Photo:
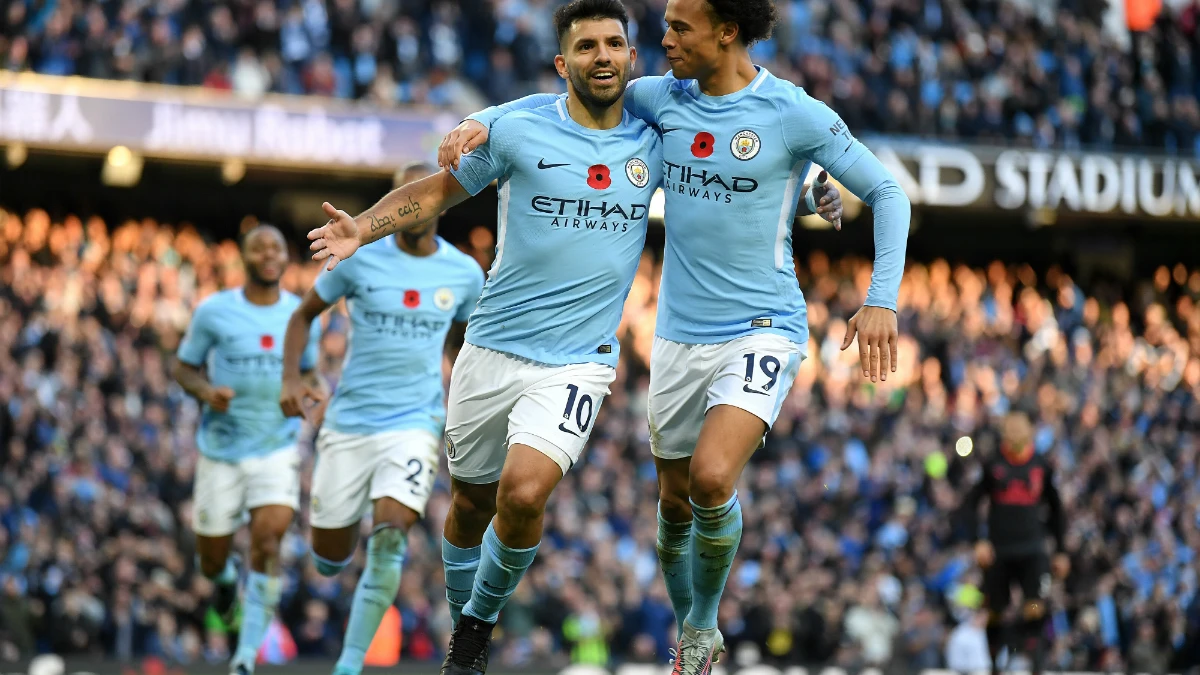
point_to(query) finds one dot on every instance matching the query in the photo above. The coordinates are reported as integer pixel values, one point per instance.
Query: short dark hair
(581, 10)
(245, 238)
(755, 18)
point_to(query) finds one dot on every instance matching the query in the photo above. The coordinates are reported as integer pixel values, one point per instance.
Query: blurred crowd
(851, 554)
(1041, 73)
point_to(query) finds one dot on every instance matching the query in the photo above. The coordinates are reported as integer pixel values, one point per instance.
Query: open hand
(461, 141)
(878, 338)
(337, 239)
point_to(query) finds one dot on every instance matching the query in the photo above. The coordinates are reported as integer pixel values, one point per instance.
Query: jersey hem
(798, 337)
(237, 460)
(543, 359)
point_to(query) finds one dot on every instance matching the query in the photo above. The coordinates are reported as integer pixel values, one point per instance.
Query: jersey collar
(757, 82)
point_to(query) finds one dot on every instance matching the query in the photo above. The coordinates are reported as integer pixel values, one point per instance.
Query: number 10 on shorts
(576, 406)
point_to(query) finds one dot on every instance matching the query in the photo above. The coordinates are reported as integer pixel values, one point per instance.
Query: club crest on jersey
(637, 172)
(443, 299)
(450, 449)
(745, 145)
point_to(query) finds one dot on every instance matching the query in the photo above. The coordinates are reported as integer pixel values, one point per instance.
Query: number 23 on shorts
(579, 411)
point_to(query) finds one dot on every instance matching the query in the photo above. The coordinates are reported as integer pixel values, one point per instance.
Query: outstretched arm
(643, 97)
(404, 208)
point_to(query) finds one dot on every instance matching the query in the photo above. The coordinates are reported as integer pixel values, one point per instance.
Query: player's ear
(632, 57)
(560, 64)
(728, 34)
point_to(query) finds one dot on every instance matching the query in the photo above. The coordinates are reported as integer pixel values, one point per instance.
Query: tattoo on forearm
(412, 208)
(382, 222)
(391, 224)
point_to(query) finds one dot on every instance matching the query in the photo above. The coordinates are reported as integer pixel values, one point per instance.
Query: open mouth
(604, 76)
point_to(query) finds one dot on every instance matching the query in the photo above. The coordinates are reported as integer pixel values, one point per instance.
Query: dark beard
(583, 88)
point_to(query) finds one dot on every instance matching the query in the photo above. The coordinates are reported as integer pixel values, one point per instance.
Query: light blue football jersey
(240, 345)
(401, 307)
(572, 221)
(733, 169)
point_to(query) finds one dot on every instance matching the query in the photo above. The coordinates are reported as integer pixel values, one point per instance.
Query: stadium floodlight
(122, 168)
(15, 155)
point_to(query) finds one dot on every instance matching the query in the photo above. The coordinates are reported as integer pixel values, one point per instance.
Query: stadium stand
(849, 557)
(1050, 73)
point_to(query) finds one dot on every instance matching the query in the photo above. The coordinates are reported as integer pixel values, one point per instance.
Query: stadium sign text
(74, 114)
(94, 115)
(966, 177)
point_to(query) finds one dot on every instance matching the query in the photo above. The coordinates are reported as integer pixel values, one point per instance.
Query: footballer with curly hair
(732, 324)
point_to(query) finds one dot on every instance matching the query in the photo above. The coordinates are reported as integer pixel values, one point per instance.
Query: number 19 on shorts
(768, 365)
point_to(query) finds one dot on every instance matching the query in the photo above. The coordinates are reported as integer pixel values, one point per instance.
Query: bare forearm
(192, 380)
(295, 342)
(408, 207)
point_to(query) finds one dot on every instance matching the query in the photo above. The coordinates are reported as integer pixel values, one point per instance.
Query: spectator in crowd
(967, 647)
(848, 557)
(1045, 73)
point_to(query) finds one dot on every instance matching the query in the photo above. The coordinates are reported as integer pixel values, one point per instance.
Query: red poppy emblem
(703, 145)
(412, 299)
(598, 177)
(267, 341)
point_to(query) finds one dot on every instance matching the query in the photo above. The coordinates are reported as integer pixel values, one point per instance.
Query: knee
(674, 506)
(521, 503)
(473, 509)
(711, 485)
(264, 544)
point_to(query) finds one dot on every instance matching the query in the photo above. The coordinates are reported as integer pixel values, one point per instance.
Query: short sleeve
(308, 360)
(644, 97)
(200, 337)
(335, 284)
(471, 299)
(814, 132)
(491, 160)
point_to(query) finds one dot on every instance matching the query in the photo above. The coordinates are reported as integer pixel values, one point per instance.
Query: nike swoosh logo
(543, 165)
(746, 388)
(667, 130)
(373, 289)
(563, 428)
(369, 587)
(713, 557)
